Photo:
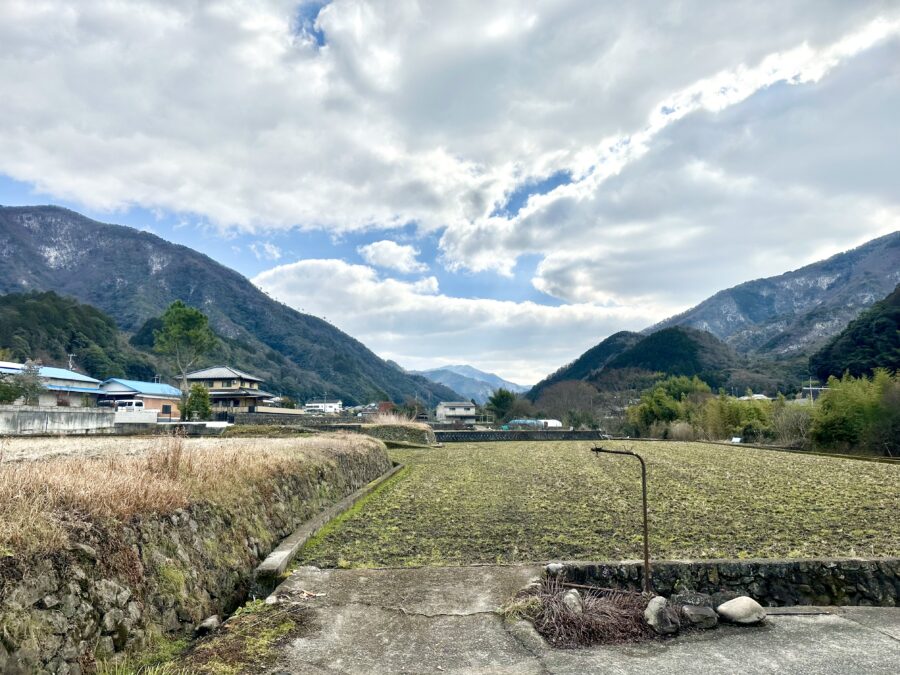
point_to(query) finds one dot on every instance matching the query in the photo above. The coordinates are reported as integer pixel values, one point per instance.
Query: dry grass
(608, 617)
(41, 500)
(396, 419)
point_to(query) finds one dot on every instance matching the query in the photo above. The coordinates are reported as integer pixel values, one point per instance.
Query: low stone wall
(132, 587)
(498, 436)
(384, 432)
(774, 583)
(400, 433)
(20, 420)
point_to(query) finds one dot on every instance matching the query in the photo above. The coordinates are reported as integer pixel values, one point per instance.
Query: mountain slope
(870, 341)
(470, 382)
(133, 276)
(593, 360)
(795, 312)
(48, 327)
(681, 351)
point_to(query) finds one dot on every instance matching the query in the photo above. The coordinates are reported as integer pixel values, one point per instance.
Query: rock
(208, 625)
(723, 596)
(89, 551)
(661, 617)
(692, 598)
(112, 620)
(553, 569)
(572, 600)
(49, 602)
(699, 616)
(742, 610)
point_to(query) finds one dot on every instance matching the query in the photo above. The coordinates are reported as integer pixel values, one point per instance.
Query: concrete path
(442, 620)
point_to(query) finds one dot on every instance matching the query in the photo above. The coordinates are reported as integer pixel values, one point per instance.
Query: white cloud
(415, 325)
(265, 250)
(391, 255)
(708, 143)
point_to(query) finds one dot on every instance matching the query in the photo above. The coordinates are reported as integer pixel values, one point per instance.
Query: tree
(29, 382)
(185, 337)
(9, 390)
(571, 401)
(500, 403)
(198, 405)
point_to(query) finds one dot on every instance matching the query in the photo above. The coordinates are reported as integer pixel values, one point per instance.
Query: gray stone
(110, 592)
(691, 598)
(49, 601)
(742, 610)
(89, 551)
(572, 600)
(553, 569)
(661, 617)
(112, 620)
(208, 625)
(699, 616)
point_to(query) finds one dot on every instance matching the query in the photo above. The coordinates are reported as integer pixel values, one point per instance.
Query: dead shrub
(609, 617)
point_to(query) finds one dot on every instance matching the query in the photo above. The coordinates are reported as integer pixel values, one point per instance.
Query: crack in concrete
(859, 623)
(426, 615)
(536, 655)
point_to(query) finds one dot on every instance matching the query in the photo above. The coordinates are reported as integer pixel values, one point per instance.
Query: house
(163, 398)
(61, 387)
(456, 412)
(324, 406)
(230, 389)
(754, 397)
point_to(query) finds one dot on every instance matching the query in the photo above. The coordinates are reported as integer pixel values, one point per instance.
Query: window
(166, 409)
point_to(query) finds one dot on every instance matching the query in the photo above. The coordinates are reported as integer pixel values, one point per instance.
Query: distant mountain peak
(471, 382)
(794, 312)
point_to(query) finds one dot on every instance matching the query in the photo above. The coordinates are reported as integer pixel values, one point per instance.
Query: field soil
(519, 502)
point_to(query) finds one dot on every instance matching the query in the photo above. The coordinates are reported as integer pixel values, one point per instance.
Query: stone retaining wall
(774, 583)
(132, 587)
(498, 436)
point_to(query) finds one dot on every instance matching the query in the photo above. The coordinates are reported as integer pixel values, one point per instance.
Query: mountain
(472, 383)
(681, 351)
(592, 361)
(870, 341)
(133, 276)
(796, 312)
(51, 328)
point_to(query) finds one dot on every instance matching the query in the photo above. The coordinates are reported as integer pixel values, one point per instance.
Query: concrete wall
(774, 583)
(23, 420)
(496, 436)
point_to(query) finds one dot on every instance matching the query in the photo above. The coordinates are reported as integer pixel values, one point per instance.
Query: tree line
(853, 414)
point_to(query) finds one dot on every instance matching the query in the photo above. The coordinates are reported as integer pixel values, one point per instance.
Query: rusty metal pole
(648, 585)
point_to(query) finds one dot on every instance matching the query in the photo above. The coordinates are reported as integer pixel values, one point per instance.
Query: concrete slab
(442, 620)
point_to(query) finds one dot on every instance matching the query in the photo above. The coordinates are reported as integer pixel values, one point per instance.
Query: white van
(129, 405)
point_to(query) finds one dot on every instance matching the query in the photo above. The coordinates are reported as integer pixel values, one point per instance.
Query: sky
(502, 184)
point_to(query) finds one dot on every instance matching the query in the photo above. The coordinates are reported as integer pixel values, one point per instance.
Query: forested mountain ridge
(49, 327)
(795, 312)
(870, 341)
(133, 276)
(592, 361)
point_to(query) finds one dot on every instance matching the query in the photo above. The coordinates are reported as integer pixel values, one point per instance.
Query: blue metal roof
(63, 374)
(148, 388)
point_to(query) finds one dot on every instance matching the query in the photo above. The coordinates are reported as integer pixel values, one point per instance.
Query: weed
(519, 502)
